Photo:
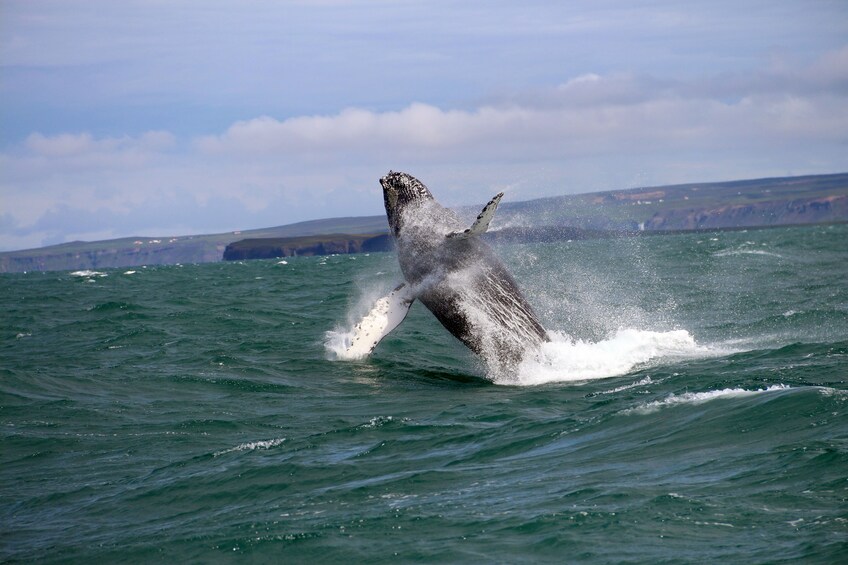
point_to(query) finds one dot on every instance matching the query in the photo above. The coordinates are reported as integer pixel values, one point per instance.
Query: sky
(169, 117)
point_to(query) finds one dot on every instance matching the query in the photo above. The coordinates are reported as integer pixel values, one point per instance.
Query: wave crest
(699, 398)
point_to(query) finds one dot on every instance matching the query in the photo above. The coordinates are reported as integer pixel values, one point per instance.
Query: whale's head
(400, 191)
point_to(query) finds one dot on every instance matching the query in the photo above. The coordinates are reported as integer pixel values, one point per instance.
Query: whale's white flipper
(385, 315)
(481, 224)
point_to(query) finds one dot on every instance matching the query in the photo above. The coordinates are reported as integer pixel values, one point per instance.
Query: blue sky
(154, 118)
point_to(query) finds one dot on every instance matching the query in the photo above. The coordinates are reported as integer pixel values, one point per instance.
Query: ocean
(692, 407)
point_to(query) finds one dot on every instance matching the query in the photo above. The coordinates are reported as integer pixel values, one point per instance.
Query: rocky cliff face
(268, 248)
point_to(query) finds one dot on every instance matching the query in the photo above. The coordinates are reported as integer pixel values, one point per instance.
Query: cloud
(43, 160)
(416, 127)
(593, 131)
(590, 114)
(70, 145)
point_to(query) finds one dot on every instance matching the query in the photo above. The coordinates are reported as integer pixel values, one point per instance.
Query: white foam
(642, 382)
(88, 273)
(266, 444)
(337, 344)
(745, 251)
(699, 398)
(567, 360)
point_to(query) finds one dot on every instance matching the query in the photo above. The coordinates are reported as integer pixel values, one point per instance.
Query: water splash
(567, 360)
(338, 341)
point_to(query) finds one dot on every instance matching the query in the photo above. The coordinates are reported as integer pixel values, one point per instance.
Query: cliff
(268, 248)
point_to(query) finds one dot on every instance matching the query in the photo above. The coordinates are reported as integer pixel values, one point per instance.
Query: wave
(567, 360)
(250, 446)
(88, 273)
(699, 398)
(745, 251)
(642, 382)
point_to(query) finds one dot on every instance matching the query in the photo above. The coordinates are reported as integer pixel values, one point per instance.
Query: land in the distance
(697, 206)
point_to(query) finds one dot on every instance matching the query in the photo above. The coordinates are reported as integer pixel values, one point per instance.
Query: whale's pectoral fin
(385, 315)
(481, 224)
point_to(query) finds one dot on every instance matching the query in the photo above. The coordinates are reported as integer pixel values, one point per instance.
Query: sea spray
(566, 360)
(570, 286)
(369, 287)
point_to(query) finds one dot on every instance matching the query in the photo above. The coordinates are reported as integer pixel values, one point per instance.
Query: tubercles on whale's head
(401, 190)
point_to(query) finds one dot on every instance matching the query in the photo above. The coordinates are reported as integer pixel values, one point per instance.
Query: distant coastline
(269, 248)
(743, 204)
(340, 244)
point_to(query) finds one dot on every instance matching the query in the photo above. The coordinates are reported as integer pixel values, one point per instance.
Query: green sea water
(692, 408)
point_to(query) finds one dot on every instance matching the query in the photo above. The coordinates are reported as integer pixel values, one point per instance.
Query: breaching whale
(455, 274)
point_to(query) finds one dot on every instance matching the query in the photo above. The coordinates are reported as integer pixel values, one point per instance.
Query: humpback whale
(455, 274)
